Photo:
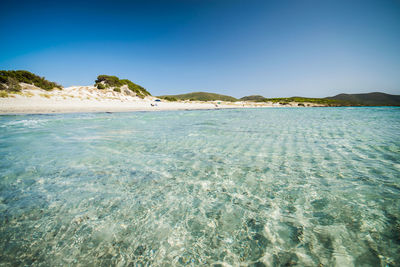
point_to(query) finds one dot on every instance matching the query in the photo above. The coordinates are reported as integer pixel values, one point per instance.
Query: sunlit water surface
(274, 187)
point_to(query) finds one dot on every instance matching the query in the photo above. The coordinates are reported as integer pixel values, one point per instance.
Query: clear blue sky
(273, 48)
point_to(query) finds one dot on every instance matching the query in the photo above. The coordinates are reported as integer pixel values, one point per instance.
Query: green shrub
(169, 98)
(139, 90)
(101, 86)
(117, 89)
(114, 81)
(110, 81)
(23, 76)
(13, 85)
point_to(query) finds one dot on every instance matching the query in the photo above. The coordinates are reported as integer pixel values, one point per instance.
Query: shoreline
(97, 111)
(106, 109)
(67, 111)
(87, 99)
(14, 106)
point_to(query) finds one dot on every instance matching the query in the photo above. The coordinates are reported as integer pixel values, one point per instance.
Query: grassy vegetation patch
(322, 101)
(12, 78)
(169, 98)
(107, 81)
(45, 95)
(3, 94)
(28, 94)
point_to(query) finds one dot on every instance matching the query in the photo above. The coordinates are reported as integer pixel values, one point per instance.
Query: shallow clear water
(276, 186)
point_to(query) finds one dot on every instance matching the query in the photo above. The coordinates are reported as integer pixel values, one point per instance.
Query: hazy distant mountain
(369, 99)
(202, 96)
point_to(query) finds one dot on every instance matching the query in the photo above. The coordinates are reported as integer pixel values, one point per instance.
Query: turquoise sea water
(273, 187)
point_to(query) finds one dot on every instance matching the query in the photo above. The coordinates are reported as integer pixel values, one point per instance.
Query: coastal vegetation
(3, 93)
(370, 99)
(107, 81)
(169, 98)
(12, 85)
(256, 98)
(300, 100)
(10, 80)
(201, 96)
(45, 95)
(100, 86)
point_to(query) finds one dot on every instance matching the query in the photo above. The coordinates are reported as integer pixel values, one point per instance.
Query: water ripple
(257, 187)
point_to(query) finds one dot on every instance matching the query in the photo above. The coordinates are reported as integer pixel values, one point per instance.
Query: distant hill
(369, 99)
(298, 99)
(201, 96)
(257, 98)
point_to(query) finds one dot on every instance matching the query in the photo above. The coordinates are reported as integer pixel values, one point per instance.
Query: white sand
(90, 99)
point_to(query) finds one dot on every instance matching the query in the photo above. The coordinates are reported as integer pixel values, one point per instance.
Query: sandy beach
(90, 99)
